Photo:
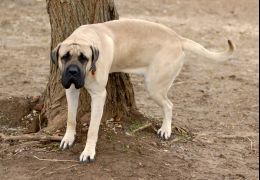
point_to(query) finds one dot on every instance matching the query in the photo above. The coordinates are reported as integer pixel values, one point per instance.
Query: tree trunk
(65, 16)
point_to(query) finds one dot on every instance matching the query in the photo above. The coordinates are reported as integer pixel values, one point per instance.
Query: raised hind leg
(162, 100)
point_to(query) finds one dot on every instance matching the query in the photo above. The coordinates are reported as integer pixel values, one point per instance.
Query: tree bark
(65, 16)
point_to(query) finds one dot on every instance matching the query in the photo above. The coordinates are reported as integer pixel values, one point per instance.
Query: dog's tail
(200, 50)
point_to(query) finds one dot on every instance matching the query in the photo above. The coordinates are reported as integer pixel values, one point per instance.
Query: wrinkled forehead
(74, 49)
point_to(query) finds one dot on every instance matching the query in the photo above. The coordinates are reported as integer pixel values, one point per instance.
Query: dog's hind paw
(164, 133)
(67, 141)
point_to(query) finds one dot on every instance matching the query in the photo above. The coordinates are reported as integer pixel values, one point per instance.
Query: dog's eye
(82, 58)
(66, 57)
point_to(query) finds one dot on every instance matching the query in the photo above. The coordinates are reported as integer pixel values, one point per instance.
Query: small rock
(85, 129)
(154, 143)
(39, 107)
(232, 76)
(222, 156)
(140, 164)
(167, 164)
(128, 134)
(58, 131)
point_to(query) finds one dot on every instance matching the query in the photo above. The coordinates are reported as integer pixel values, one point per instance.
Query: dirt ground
(216, 102)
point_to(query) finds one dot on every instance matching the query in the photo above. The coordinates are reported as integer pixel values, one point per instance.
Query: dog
(92, 52)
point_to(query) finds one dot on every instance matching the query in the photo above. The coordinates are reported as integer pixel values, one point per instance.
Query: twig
(178, 83)
(46, 151)
(179, 139)
(251, 147)
(50, 173)
(40, 122)
(54, 160)
(142, 128)
(181, 130)
(40, 170)
(31, 137)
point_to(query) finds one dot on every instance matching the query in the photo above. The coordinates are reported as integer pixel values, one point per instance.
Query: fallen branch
(142, 128)
(55, 160)
(30, 137)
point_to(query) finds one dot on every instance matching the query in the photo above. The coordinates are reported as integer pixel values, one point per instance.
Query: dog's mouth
(67, 80)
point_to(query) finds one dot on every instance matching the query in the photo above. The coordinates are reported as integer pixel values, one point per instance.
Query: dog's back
(146, 38)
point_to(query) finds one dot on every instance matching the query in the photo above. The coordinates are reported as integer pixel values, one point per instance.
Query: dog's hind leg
(162, 100)
(158, 81)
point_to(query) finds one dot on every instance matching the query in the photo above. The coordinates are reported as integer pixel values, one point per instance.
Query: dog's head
(74, 61)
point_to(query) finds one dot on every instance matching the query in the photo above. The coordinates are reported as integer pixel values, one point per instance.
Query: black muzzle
(73, 75)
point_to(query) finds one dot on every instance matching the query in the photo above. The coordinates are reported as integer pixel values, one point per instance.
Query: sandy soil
(218, 103)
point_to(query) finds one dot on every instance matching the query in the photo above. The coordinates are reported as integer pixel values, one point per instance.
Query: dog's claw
(67, 141)
(61, 144)
(164, 133)
(65, 145)
(86, 159)
(87, 156)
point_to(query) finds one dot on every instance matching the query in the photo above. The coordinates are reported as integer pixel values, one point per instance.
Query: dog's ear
(95, 56)
(55, 55)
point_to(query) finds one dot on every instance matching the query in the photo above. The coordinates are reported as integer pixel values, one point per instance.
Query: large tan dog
(132, 46)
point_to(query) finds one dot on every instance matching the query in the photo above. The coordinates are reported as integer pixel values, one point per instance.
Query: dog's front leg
(97, 106)
(72, 95)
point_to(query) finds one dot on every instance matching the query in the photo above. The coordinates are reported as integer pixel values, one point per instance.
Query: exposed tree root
(30, 137)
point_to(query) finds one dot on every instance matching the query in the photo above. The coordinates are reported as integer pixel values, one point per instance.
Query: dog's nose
(73, 70)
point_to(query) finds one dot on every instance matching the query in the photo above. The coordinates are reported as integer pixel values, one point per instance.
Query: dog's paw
(88, 155)
(165, 132)
(67, 141)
